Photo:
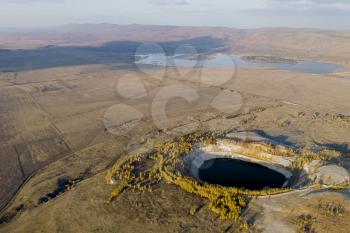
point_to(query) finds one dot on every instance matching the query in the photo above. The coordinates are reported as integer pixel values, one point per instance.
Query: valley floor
(53, 129)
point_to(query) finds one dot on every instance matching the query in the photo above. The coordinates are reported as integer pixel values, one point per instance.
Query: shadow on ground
(116, 52)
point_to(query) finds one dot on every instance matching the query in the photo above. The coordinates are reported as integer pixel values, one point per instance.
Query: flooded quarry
(241, 174)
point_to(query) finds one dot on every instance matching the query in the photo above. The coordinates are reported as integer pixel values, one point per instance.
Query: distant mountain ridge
(325, 45)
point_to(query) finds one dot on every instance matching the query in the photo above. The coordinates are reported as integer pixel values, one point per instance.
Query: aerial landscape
(175, 116)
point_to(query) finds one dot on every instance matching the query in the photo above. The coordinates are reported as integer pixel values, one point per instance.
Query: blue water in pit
(241, 174)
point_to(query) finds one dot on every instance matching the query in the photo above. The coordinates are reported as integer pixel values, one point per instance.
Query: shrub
(304, 222)
(193, 210)
(331, 208)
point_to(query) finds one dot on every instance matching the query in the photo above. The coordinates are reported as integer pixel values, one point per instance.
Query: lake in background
(225, 61)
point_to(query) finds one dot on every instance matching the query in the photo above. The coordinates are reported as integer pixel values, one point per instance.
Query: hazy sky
(333, 14)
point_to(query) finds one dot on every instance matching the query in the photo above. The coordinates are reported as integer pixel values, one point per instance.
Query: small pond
(237, 173)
